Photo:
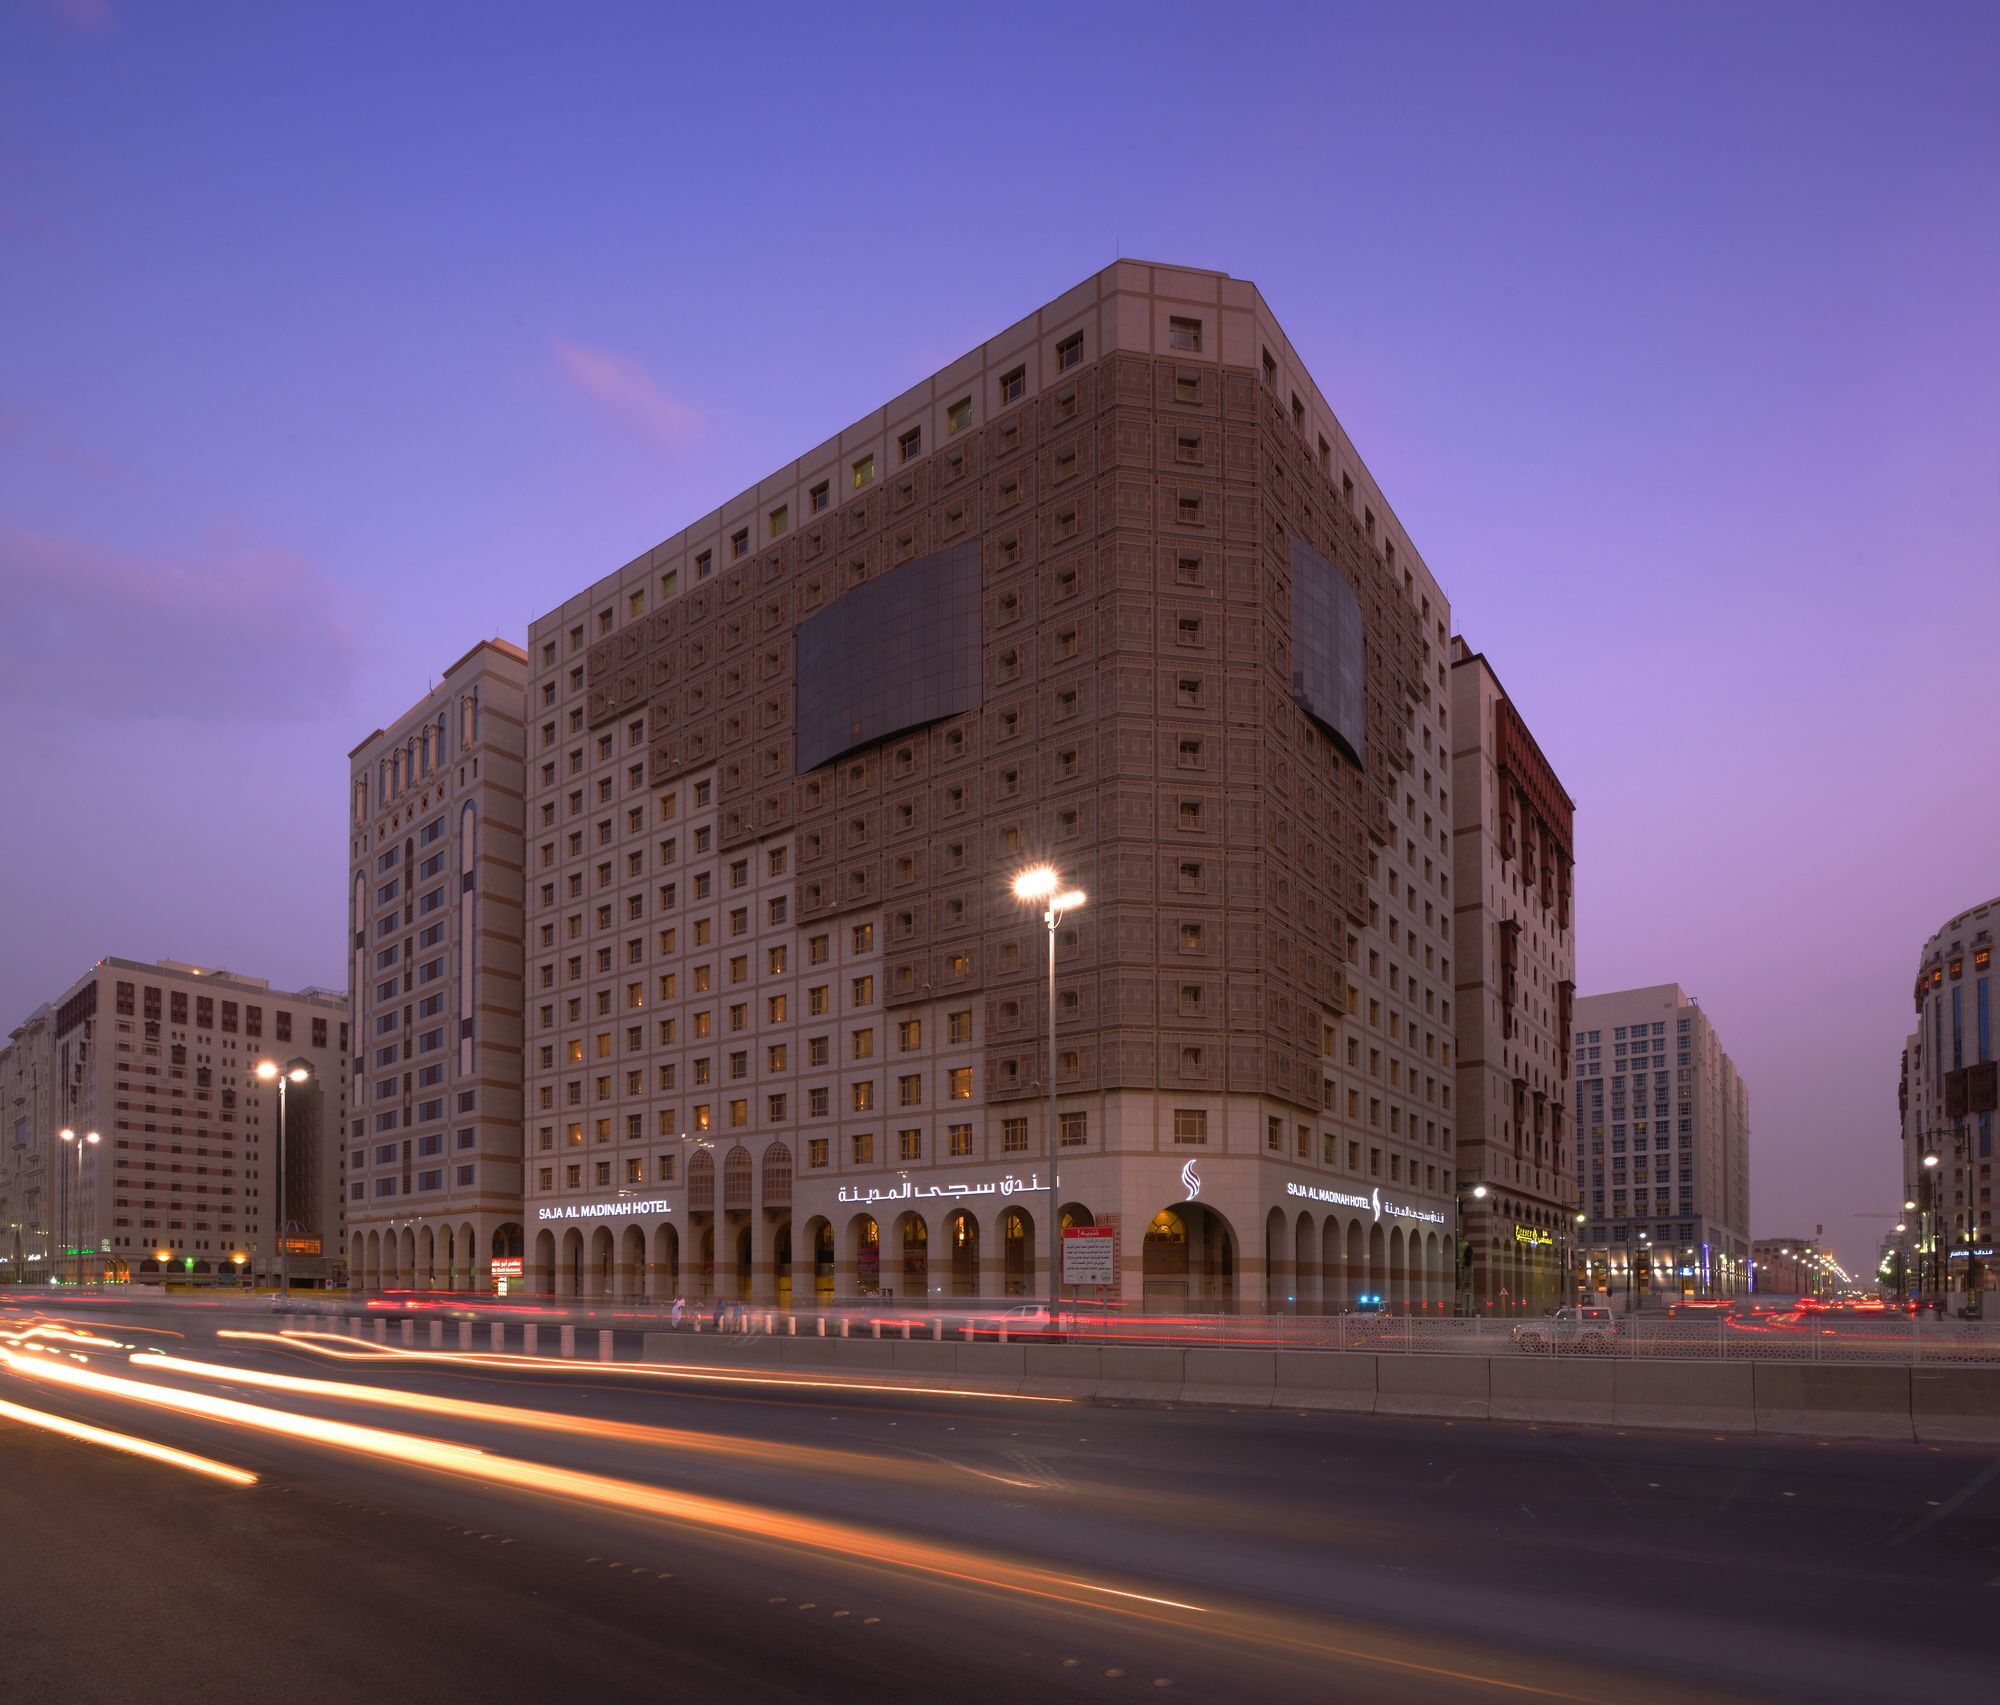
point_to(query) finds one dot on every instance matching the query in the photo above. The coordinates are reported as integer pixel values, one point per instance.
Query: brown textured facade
(1514, 845)
(1266, 948)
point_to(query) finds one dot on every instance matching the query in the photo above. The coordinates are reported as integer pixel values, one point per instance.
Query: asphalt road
(625, 1538)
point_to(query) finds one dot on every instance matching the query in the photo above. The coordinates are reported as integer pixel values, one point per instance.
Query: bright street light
(297, 1071)
(1042, 884)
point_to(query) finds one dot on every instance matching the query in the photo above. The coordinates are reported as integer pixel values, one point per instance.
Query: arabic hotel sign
(599, 1210)
(1374, 1203)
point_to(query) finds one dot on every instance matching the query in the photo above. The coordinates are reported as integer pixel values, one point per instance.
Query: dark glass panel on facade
(895, 652)
(1327, 637)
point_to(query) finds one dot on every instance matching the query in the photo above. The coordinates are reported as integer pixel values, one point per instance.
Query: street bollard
(465, 1334)
(531, 1338)
(568, 1340)
(409, 1330)
(499, 1335)
(606, 1352)
(381, 1330)
(437, 1334)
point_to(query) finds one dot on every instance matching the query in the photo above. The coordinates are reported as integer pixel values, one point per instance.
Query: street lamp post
(1044, 885)
(269, 1071)
(81, 1141)
(1479, 1193)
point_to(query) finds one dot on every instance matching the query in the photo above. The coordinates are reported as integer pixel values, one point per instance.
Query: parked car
(1590, 1330)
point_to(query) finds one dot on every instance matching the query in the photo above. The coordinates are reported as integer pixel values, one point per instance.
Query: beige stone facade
(29, 1220)
(1663, 1148)
(1513, 862)
(1950, 1090)
(786, 1024)
(434, 901)
(160, 1060)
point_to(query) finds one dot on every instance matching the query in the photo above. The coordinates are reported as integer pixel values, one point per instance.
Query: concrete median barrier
(1711, 1396)
(998, 1368)
(1571, 1390)
(1455, 1386)
(1336, 1381)
(1141, 1373)
(1833, 1400)
(1955, 1405)
(1061, 1370)
(1241, 1379)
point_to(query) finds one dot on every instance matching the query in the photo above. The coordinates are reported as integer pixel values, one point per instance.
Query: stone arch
(774, 1168)
(860, 1272)
(631, 1270)
(1306, 1265)
(357, 1272)
(541, 1277)
(961, 1241)
(371, 1263)
(406, 1264)
(1017, 1253)
(742, 1251)
(600, 1275)
(1189, 1261)
(665, 1280)
(426, 1273)
(910, 1249)
(1378, 1264)
(701, 1181)
(569, 1265)
(819, 1289)
(737, 1181)
(1280, 1295)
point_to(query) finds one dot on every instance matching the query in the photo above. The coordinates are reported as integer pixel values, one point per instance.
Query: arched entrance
(1279, 1294)
(542, 1278)
(632, 1263)
(861, 1270)
(745, 1258)
(781, 1264)
(1017, 1252)
(569, 1270)
(1189, 1264)
(665, 1282)
(1307, 1270)
(819, 1241)
(961, 1237)
(913, 1272)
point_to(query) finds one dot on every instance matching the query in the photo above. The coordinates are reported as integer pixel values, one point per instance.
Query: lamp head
(1930, 1160)
(92, 1137)
(1479, 1192)
(1040, 883)
(67, 1134)
(1068, 902)
(267, 1069)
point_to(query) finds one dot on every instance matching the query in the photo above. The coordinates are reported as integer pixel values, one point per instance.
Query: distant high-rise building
(1113, 593)
(434, 903)
(160, 1061)
(1514, 958)
(1949, 1096)
(1663, 1148)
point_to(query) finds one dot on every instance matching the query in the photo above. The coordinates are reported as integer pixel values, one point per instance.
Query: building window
(959, 416)
(1014, 1136)
(864, 472)
(910, 445)
(1183, 333)
(1190, 1125)
(1069, 352)
(1013, 385)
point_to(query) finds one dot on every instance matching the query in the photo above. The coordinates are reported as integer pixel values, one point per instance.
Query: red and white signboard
(1090, 1255)
(506, 1266)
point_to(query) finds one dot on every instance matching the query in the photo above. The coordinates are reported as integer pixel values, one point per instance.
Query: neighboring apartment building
(434, 915)
(1113, 592)
(1513, 864)
(1950, 1095)
(1663, 1148)
(1792, 1266)
(28, 1207)
(160, 1060)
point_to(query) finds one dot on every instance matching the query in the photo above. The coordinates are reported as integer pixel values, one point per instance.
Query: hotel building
(434, 920)
(1950, 1094)
(1513, 862)
(1663, 1159)
(160, 1060)
(1115, 593)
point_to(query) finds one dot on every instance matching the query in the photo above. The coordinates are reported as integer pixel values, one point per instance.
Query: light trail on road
(130, 1443)
(850, 1544)
(337, 1348)
(786, 1456)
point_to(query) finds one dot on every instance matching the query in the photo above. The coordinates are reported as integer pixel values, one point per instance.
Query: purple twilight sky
(338, 336)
